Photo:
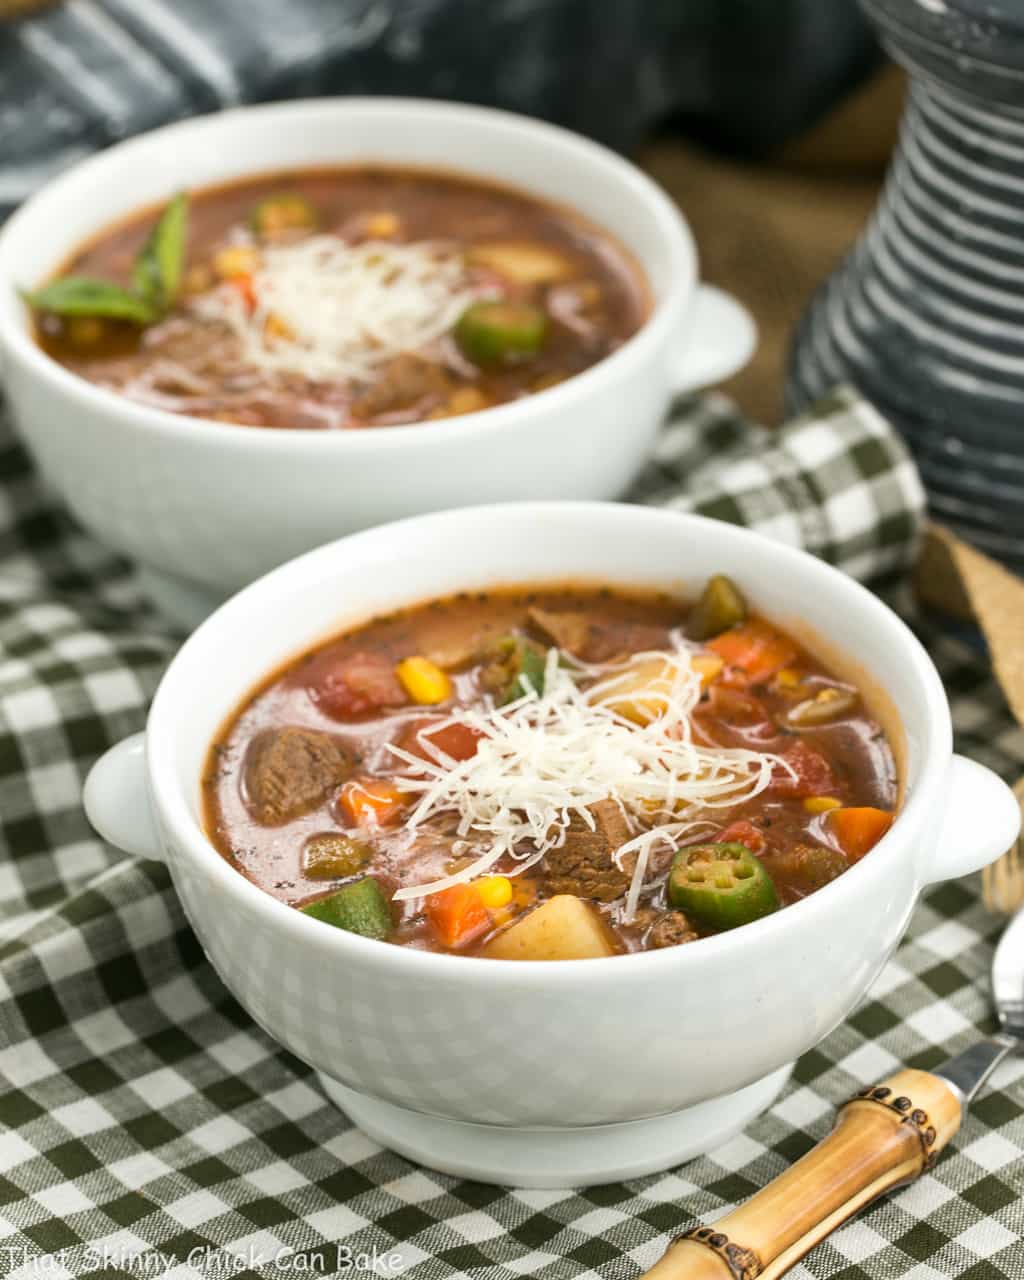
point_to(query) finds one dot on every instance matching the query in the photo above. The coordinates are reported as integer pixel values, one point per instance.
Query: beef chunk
(407, 382)
(583, 864)
(566, 630)
(455, 652)
(289, 771)
(807, 866)
(671, 929)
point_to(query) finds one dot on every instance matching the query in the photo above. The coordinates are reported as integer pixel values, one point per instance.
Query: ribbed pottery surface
(926, 315)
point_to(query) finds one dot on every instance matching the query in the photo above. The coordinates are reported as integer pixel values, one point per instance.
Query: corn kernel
(708, 666)
(380, 226)
(495, 892)
(275, 327)
(423, 680)
(821, 804)
(788, 678)
(236, 260)
(283, 213)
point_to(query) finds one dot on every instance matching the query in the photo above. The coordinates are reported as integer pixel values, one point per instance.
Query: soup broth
(551, 774)
(342, 298)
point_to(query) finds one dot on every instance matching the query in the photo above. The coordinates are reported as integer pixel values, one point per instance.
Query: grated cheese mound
(338, 311)
(544, 759)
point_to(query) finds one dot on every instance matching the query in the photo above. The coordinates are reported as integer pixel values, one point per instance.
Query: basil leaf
(82, 296)
(158, 268)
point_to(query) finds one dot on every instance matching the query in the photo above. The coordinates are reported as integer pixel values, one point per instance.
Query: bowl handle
(982, 821)
(720, 338)
(116, 799)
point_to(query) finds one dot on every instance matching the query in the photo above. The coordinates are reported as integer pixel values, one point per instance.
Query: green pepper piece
(490, 332)
(513, 667)
(520, 670)
(358, 908)
(721, 885)
(83, 296)
(161, 260)
(287, 211)
(333, 854)
(531, 672)
(720, 607)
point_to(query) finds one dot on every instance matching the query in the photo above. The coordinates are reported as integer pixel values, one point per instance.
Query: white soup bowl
(550, 1073)
(205, 507)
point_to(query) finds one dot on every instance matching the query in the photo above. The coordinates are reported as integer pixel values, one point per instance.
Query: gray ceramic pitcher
(926, 315)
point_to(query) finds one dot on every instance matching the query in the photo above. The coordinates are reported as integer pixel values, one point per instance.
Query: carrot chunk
(858, 830)
(755, 648)
(457, 915)
(371, 802)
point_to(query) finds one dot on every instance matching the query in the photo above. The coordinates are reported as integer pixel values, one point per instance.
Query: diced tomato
(809, 773)
(243, 284)
(362, 684)
(754, 648)
(743, 832)
(858, 829)
(735, 718)
(459, 741)
(371, 802)
(457, 915)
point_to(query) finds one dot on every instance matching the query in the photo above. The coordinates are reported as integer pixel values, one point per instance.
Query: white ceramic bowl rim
(636, 185)
(188, 835)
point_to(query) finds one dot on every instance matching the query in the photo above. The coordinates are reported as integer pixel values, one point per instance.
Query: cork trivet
(953, 577)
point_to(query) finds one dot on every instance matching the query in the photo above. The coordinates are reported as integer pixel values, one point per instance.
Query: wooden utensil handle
(884, 1137)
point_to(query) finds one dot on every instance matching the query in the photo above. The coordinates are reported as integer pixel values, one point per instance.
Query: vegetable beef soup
(359, 297)
(551, 774)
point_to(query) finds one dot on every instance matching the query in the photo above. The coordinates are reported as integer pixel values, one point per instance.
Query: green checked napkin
(150, 1129)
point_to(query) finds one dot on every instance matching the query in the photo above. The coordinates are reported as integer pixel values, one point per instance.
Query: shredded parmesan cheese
(542, 760)
(329, 310)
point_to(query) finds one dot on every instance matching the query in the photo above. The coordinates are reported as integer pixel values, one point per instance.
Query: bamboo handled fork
(883, 1138)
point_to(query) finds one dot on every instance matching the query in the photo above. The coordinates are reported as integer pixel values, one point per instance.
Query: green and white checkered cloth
(150, 1129)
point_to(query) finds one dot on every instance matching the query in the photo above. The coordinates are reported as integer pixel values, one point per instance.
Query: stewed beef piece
(289, 771)
(583, 863)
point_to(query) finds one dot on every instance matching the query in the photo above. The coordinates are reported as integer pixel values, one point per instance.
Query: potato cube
(522, 262)
(640, 692)
(563, 928)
